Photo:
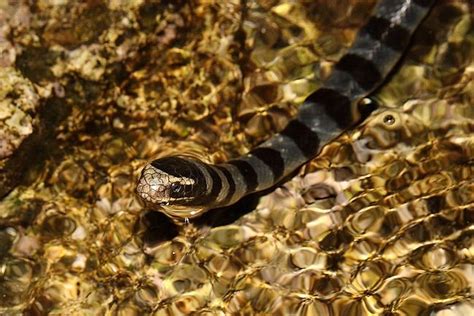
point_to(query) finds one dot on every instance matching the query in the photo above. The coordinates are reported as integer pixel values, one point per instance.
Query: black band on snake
(184, 187)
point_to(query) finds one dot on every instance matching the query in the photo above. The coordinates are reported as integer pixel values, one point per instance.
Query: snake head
(173, 185)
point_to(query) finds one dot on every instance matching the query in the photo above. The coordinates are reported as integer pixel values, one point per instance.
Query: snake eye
(366, 106)
(176, 188)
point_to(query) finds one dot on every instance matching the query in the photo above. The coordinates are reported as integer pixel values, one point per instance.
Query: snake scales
(184, 187)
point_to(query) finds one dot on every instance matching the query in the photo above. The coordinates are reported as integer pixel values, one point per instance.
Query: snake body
(184, 187)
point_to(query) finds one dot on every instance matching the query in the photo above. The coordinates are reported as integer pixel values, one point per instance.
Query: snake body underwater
(184, 187)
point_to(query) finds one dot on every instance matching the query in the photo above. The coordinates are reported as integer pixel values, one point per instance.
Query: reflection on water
(380, 222)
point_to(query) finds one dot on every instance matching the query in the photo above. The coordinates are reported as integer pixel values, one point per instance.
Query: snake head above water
(173, 185)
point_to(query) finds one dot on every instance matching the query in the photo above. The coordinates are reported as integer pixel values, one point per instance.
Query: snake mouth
(159, 201)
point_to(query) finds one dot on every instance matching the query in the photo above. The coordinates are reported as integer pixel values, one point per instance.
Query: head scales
(172, 185)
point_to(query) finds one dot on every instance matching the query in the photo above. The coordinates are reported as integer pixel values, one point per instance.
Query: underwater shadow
(229, 214)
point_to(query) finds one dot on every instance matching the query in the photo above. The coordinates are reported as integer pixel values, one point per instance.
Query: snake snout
(153, 186)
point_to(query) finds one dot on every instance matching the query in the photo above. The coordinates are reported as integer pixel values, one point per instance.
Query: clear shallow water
(379, 222)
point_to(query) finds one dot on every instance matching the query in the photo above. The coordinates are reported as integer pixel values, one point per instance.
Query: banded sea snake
(184, 187)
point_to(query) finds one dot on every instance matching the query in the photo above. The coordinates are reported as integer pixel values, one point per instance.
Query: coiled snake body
(184, 187)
